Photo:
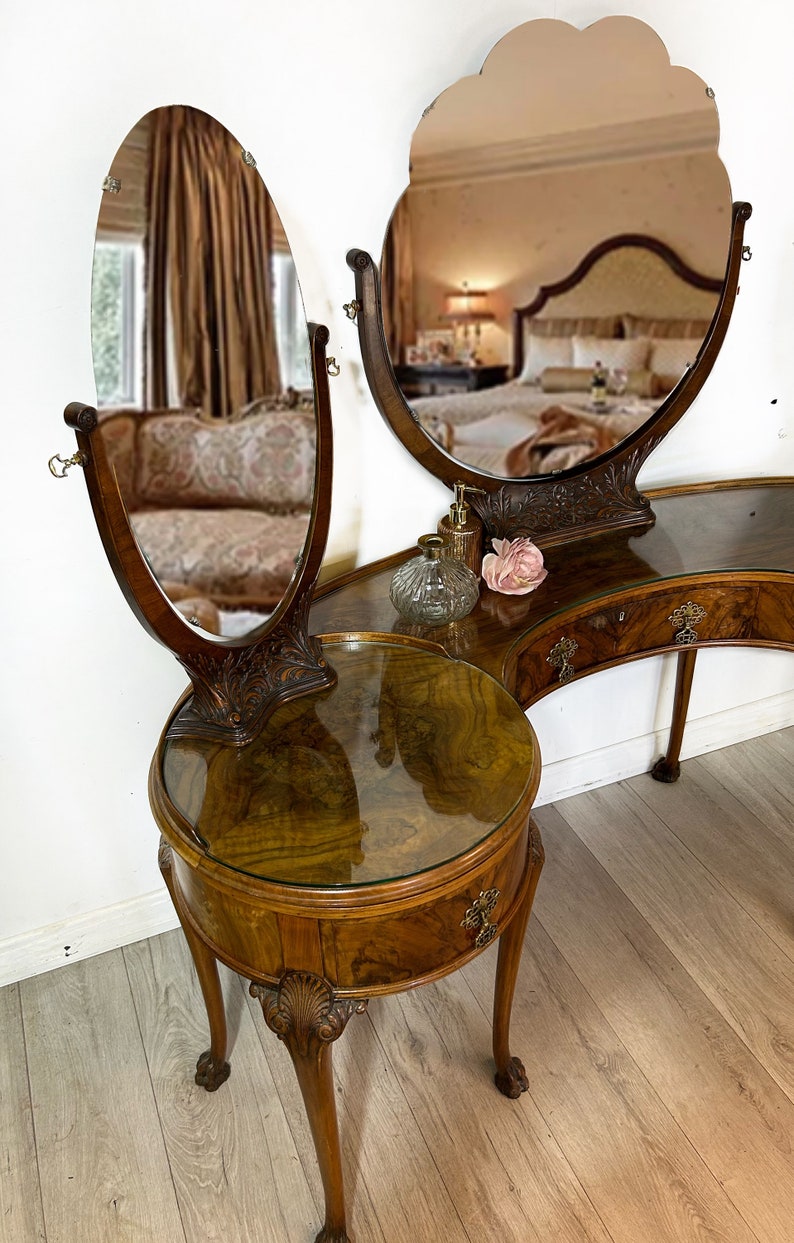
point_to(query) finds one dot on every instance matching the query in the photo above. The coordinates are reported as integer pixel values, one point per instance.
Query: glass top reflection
(410, 761)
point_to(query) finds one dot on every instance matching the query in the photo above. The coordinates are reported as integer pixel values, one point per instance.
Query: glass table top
(409, 761)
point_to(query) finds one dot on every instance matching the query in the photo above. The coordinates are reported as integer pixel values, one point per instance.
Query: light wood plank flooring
(655, 1014)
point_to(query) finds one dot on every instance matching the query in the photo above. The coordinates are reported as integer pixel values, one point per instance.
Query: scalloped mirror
(208, 459)
(567, 214)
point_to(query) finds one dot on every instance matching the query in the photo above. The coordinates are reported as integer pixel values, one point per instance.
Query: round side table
(374, 836)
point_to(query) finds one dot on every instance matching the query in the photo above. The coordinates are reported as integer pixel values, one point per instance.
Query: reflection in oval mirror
(541, 171)
(202, 368)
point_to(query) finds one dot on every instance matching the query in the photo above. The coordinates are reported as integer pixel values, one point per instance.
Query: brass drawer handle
(560, 658)
(478, 916)
(684, 619)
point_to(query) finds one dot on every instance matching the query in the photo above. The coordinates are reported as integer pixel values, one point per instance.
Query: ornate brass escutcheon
(684, 619)
(560, 657)
(478, 916)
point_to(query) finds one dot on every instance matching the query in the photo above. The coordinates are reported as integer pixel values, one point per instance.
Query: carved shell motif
(305, 1011)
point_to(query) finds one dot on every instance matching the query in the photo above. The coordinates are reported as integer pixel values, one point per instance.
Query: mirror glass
(565, 140)
(202, 368)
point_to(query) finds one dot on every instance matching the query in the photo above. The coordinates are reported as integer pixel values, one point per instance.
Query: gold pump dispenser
(463, 530)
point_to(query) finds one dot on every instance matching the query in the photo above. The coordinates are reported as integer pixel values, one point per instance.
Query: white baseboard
(564, 778)
(55, 945)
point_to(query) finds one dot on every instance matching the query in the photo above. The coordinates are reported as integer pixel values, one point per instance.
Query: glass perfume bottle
(433, 589)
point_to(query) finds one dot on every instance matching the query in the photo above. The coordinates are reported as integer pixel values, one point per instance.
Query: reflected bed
(633, 306)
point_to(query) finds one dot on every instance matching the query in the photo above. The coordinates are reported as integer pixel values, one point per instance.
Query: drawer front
(377, 954)
(775, 613)
(616, 630)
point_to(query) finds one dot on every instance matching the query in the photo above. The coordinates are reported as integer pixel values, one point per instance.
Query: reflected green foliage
(107, 324)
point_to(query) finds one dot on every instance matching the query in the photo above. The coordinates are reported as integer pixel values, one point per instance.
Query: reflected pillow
(669, 359)
(543, 352)
(610, 352)
(634, 326)
(567, 326)
(641, 383)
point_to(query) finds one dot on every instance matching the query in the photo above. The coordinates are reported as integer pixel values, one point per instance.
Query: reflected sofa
(220, 508)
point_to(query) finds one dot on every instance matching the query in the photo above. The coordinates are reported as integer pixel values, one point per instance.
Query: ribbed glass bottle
(432, 589)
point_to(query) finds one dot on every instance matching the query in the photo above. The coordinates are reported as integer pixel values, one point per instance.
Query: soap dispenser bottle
(463, 530)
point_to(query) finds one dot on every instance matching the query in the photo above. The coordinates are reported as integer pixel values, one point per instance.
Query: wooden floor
(655, 1014)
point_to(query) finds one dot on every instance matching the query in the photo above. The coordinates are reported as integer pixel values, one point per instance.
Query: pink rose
(515, 567)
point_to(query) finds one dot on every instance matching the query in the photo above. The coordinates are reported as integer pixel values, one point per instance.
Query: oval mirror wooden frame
(236, 682)
(591, 496)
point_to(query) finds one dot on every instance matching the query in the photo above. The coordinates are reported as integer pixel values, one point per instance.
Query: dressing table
(345, 799)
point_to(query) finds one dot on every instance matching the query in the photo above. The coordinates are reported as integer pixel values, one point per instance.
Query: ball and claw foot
(665, 771)
(211, 1074)
(330, 1234)
(512, 1081)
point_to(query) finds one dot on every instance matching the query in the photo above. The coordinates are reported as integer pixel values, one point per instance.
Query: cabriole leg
(511, 1078)
(668, 768)
(212, 1068)
(308, 1016)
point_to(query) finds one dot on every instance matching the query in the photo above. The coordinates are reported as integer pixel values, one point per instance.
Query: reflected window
(291, 338)
(117, 322)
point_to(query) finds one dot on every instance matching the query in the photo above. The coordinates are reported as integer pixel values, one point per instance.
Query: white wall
(326, 96)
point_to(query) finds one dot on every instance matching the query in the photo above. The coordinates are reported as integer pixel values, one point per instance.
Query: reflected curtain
(210, 331)
(397, 283)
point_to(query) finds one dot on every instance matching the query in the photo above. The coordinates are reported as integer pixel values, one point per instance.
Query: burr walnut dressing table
(345, 806)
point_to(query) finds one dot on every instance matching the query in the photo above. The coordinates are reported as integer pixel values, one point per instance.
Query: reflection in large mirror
(567, 220)
(202, 367)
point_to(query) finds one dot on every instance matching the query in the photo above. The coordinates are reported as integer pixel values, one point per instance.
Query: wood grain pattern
(233, 1160)
(394, 1188)
(514, 1181)
(21, 1216)
(731, 1111)
(632, 1160)
(747, 844)
(104, 1168)
(734, 961)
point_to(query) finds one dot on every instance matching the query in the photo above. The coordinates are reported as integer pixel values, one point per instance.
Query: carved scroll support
(308, 1016)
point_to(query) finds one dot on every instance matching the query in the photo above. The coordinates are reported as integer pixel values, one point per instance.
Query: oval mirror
(567, 217)
(203, 372)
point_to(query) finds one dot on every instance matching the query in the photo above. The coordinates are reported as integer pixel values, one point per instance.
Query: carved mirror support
(236, 682)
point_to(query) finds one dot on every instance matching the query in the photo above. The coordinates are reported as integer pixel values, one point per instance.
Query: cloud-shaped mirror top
(565, 141)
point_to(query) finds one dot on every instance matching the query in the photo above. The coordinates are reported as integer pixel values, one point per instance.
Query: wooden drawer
(775, 613)
(424, 940)
(613, 631)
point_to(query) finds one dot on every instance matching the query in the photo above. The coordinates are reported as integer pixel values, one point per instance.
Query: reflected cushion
(634, 326)
(228, 555)
(543, 352)
(669, 359)
(264, 461)
(641, 383)
(610, 352)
